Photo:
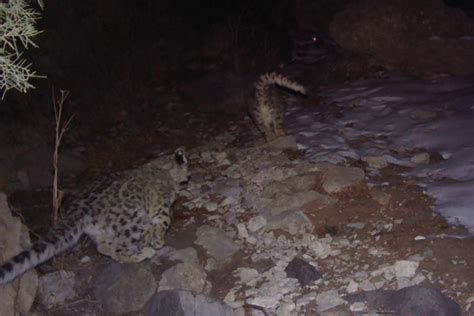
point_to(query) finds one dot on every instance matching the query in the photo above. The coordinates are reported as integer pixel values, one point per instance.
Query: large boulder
(422, 37)
(16, 297)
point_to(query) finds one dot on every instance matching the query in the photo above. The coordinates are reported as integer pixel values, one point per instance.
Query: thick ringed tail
(60, 238)
(268, 79)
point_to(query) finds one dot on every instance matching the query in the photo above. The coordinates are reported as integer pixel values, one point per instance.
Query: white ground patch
(401, 117)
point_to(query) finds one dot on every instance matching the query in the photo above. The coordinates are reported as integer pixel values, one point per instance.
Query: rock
(216, 242)
(414, 300)
(182, 303)
(423, 114)
(211, 206)
(228, 188)
(405, 268)
(56, 288)
(282, 143)
(286, 309)
(184, 255)
(124, 288)
(303, 271)
(358, 307)
(289, 202)
(352, 287)
(247, 275)
(18, 296)
(320, 248)
(377, 162)
(421, 158)
(185, 276)
(379, 29)
(298, 183)
(294, 222)
(256, 222)
(337, 178)
(356, 225)
(329, 299)
(380, 197)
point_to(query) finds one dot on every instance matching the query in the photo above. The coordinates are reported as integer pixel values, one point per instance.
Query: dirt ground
(450, 260)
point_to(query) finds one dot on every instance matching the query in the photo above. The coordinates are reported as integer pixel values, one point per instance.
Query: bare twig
(59, 133)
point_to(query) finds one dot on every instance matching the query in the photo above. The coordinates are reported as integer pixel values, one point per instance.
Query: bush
(17, 26)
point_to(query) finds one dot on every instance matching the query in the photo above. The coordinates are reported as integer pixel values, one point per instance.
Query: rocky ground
(261, 230)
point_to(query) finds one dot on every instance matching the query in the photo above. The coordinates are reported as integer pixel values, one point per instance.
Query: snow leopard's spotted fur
(126, 214)
(267, 108)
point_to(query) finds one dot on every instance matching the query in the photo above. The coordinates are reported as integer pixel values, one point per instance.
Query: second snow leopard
(267, 107)
(126, 214)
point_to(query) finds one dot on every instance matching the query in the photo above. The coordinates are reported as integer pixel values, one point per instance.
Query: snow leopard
(267, 106)
(126, 214)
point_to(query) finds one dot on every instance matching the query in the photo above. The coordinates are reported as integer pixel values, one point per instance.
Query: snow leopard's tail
(60, 238)
(267, 108)
(268, 79)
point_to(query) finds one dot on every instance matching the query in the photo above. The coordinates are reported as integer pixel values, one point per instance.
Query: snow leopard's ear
(180, 156)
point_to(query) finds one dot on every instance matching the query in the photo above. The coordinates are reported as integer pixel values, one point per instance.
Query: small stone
(217, 243)
(184, 255)
(320, 248)
(358, 307)
(303, 271)
(286, 309)
(124, 288)
(421, 158)
(352, 287)
(283, 143)
(356, 225)
(242, 231)
(377, 162)
(228, 201)
(206, 156)
(403, 282)
(220, 156)
(257, 222)
(420, 238)
(337, 178)
(380, 197)
(247, 275)
(329, 299)
(405, 268)
(185, 303)
(85, 259)
(56, 288)
(211, 206)
(184, 276)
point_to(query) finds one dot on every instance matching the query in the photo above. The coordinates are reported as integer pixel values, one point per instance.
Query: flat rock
(18, 296)
(282, 143)
(414, 300)
(294, 222)
(405, 268)
(380, 197)
(303, 271)
(288, 202)
(377, 162)
(124, 288)
(228, 188)
(56, 288)
(217, 243)
(329, 299)
(184, 255)
(337, 178)
(298, 183)
(181, 303)
(186, 276)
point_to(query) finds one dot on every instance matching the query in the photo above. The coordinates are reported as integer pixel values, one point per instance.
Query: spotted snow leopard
(267, 107)
(126, 214)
